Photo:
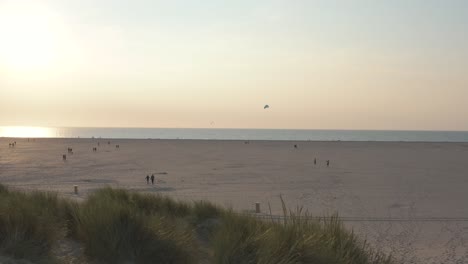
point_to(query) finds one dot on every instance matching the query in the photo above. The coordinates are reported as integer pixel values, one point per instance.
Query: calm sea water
(237, 134)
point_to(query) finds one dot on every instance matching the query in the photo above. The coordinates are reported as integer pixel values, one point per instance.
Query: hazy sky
(395, 64)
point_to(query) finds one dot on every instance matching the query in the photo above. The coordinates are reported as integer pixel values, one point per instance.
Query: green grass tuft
(203, 210)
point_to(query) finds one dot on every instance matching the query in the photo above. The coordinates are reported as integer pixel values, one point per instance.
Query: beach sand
(421, 187)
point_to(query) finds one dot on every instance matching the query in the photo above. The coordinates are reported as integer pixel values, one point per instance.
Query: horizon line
(240, 128)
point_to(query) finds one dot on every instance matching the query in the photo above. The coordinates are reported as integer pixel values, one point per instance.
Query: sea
(236, 134)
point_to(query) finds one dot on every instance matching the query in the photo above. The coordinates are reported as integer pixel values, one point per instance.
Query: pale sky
(395, 64)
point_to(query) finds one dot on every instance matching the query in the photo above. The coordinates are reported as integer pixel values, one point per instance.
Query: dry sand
(421, 187)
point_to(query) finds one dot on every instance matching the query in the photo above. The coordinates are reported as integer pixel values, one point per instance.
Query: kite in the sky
(266, 106)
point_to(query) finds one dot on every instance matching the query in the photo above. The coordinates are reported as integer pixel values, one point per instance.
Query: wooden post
(75, 187)
(257, 208)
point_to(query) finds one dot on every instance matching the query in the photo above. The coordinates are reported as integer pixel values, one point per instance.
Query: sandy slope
(422, 185)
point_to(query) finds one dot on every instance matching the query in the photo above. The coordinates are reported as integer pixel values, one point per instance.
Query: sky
(399, 65)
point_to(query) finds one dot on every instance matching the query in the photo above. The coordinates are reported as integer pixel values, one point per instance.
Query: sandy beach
(408, 199)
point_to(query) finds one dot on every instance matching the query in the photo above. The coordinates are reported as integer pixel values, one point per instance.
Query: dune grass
(29, 224)
(299, 238)
(119, 226)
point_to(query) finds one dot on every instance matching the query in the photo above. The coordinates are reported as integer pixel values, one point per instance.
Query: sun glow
(29, 36)
(25, 132)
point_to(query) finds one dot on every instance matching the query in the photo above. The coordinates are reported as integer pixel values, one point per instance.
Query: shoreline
(239, 140)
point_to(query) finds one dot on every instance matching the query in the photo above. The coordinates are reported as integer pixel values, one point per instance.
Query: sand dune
(406, 198)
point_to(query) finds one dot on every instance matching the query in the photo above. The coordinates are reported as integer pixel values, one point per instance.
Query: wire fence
(281, 218)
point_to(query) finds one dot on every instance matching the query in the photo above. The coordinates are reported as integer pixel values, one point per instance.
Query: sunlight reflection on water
(26, 132)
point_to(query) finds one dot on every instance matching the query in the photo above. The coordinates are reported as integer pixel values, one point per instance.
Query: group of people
(148, 179)
(12, 145)
(108, 142)
(315, 159)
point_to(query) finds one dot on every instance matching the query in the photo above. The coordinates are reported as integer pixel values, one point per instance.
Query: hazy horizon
(231, 128)
(365, 65)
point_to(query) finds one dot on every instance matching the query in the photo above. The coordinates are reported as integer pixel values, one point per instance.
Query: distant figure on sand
(64, 157)
(295, 146)
(147, 179)
(152, 179)
(328, 163)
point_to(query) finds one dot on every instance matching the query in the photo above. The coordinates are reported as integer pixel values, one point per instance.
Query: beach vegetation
(121, 226)
(30, 224)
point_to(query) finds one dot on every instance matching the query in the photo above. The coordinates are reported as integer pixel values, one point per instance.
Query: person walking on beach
(147, 179)
(328, 163)
(152, 179)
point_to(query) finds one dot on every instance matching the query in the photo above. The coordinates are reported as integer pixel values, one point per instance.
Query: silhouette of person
(147, 179)
(152, 179)
(328, 163)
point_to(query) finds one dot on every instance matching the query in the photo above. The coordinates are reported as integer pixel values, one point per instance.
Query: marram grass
(119, 226)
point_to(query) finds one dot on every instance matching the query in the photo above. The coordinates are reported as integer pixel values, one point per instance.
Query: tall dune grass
(30, 223)
(299, 238)
(118, 226)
